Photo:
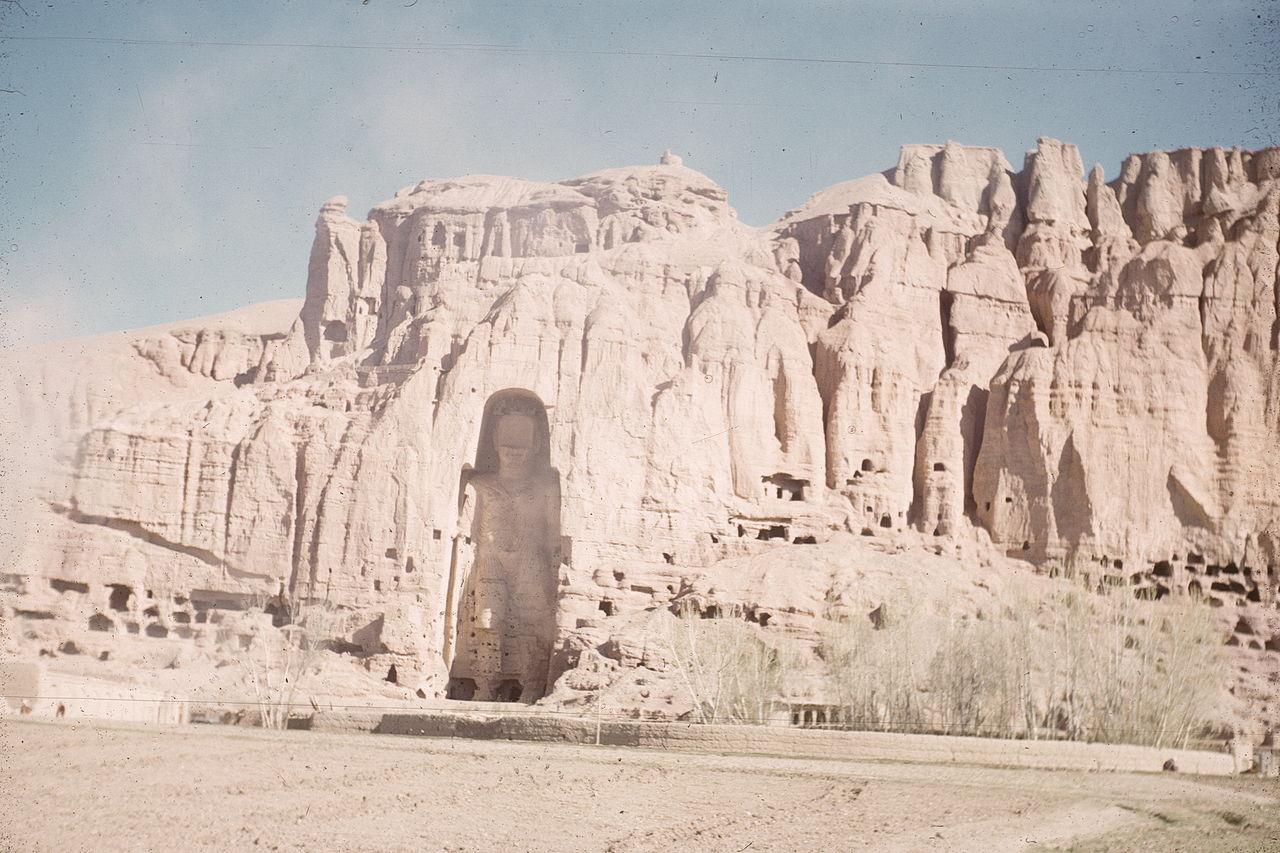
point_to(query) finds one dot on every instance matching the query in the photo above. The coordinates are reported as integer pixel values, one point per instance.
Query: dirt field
(74, 786)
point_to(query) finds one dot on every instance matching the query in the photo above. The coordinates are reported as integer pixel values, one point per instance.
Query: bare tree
(731, 674)
(876, 671)
(280, 659)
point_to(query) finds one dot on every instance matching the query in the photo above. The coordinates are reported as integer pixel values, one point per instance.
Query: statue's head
(513, 439)
(514, 435)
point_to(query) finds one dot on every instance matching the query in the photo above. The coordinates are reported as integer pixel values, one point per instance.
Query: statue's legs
(490, 622)
(531, 627)
(506, 640)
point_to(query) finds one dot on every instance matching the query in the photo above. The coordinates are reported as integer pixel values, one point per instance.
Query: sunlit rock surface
(1037, 364)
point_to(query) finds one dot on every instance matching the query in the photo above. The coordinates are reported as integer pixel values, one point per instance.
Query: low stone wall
(777, 740)
(29, 689)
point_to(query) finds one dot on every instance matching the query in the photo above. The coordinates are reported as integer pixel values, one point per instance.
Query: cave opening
(773, 531)
(508, 690)
(335, 332)
(461, 689)
(119, 598)
(784, 487)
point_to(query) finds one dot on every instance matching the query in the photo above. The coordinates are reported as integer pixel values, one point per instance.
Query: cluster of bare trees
(1070, 663)
(731, 673)
(279, 660)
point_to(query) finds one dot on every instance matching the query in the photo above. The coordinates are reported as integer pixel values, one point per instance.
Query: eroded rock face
(1140, 415)
(1083, 372)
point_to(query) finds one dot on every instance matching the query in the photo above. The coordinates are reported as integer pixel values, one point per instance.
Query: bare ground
(71, 786)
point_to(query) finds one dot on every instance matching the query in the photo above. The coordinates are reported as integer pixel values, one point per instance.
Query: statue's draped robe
(506, 622)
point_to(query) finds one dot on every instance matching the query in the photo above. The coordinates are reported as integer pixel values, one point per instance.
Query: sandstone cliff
(1078, 374)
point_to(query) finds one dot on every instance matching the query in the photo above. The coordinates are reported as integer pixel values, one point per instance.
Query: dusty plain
(73, 786)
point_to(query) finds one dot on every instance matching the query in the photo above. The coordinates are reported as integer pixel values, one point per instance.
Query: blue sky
(167, 160)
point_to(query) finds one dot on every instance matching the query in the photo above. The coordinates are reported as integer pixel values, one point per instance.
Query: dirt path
(74, 786)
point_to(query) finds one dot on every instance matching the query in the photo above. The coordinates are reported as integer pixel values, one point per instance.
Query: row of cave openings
(1225, 581)
(1214, 584)
(124, 609)
(453, 247)
(775, 487)
(785, 487)
(206, 607)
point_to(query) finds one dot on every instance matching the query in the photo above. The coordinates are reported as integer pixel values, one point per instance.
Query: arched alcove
(504, 568)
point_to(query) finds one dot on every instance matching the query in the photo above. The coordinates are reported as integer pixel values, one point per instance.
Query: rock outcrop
(1085, 374)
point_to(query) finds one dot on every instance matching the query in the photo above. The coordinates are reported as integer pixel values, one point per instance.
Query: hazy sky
(165, 160)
